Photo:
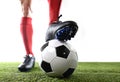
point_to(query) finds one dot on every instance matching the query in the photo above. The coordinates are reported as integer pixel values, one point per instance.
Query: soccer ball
(58, 59)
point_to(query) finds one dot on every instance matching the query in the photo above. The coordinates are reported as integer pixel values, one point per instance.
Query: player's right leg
(62, 31)
(27, 32)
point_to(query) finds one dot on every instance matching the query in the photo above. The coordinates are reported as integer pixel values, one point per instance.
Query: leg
(26, 26)
(59, 30)
(27, 32)
(26, 7)
(54, 9)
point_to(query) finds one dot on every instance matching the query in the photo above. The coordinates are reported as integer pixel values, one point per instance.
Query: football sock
(54, 8)
(27, 32)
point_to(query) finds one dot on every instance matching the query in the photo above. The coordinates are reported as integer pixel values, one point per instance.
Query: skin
(26, 7)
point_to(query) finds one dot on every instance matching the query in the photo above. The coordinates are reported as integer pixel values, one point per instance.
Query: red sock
(27, 31)
(54, 8)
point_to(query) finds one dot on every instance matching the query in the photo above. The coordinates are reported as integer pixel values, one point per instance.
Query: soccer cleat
(27, 64)
(62, 31)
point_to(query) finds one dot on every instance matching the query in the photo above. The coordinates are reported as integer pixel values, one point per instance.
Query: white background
(97, 40)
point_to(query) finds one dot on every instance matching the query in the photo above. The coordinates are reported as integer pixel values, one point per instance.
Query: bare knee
(25, 11)
(26, 7)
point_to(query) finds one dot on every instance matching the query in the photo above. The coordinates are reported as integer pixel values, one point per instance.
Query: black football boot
(62, 31)
(27, 64)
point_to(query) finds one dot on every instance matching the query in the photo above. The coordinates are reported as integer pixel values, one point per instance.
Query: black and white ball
(58, 59)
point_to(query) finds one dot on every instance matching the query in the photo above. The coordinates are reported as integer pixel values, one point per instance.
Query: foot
(27, 64)
(62, 31)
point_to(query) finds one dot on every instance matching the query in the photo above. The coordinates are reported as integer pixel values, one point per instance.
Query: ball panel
(48, 54)
(44, 46)
(46, 66)
(62, 51)
(68, 72)
(59, 65)
(55, 43)
(73, 59)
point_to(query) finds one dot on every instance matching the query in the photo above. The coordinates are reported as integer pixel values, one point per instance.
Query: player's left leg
(27, 32)
(60, 30)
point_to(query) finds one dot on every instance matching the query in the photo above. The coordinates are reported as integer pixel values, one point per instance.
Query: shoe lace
(27, 59)
(59, 17)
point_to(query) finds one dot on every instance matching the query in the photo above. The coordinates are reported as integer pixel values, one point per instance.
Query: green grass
(85, 72)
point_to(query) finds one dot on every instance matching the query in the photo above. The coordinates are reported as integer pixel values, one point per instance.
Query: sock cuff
(26, 20)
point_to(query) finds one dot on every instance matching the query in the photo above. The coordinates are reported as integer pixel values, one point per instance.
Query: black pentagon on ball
(44, 46)
(62, 51)
(46, 66)
(68, 72)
